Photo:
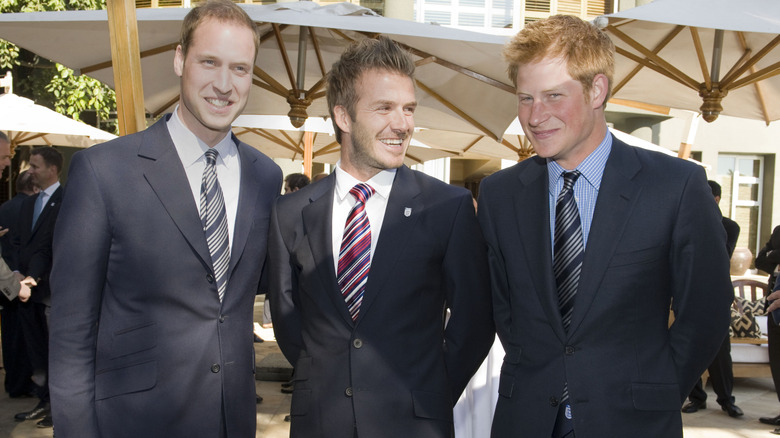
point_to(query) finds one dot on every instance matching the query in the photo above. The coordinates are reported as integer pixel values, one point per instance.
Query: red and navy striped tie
(355, 253)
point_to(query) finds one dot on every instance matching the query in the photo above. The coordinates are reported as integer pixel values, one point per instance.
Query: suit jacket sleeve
(701, 286)
(281, 289)
(470, 331)
(8, 284)
(81, 249)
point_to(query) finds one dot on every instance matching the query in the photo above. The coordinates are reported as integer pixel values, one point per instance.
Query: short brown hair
(381, 53)
(50, 156)
(587, 50)
(221, 10)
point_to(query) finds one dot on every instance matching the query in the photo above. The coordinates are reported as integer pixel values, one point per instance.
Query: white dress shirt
(192, 152)
(343, 202)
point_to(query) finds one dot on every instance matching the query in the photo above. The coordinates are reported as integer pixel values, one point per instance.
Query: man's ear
(598, 91)
(342, 118)
(178, 61)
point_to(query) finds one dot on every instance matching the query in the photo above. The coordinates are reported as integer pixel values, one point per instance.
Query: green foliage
(51, 84)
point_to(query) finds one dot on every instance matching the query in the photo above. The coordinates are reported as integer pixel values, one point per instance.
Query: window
(741, 180)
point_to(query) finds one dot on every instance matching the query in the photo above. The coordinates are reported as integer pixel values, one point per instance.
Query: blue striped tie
(212, 214)
(568, 253)
(355, 253)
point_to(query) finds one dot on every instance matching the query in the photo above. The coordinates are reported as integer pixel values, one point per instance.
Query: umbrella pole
(308, 152)
(126, 57)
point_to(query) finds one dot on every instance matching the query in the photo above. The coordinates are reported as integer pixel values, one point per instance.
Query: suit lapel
(53, 201)
(401, 215)
(247, 200)
(533, 218)
(164, 172)
(317, 225)
(617, 196)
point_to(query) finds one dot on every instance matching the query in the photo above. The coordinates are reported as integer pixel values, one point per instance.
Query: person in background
(591, 243)
(768, 260)
(33, 240)
(721, 372)
(16, 363)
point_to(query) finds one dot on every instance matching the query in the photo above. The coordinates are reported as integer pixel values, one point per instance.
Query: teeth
(392, 142)
(218, 102)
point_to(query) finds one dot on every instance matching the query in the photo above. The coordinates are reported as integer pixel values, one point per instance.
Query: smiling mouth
(220, 103)
(392, 141)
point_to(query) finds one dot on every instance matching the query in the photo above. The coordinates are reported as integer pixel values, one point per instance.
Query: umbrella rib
(271, 84)
(285, 58)
(316, 42)
(655, 68)
(331, 147)
(165, 106)
(413, 158)
(700, 55)
(459, 69)
(727, 82)
(454, 109)
(669, 37)
(672, 72)
(272, 138)
(510, 145)
(473, 143)
(100, 66)
(765, 73)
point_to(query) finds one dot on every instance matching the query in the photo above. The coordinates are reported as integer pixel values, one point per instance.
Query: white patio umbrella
(461, 77)
(275, 136)
(710, 56)
(26, 123)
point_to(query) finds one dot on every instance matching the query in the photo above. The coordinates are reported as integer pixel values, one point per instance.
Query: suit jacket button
(221, 318)
(357, 343)
(348, 392)
(210, 278)
(215, 368)
(553, 401)
(569, 350)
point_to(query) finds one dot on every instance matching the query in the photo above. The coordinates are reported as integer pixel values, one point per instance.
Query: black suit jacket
(141, 345)
(395, 371)
(656, 241)
(9, 218)
(34, 244)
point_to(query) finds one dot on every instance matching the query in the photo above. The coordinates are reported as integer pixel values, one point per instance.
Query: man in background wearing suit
(591, 242)
(721, 372)
(15, 361)
(157, 258)
(34, 262)
(364, 264)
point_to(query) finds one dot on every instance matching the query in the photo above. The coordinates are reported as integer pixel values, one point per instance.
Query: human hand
(3, 231)
(24, 292)
(774, 302)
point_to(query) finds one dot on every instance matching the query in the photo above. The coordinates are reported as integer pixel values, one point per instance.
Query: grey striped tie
(212, 214)
(568, 247)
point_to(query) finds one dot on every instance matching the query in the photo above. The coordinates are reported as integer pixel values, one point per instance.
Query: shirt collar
(382, 182)
(51, 189)
(182, 137)
(591, 168)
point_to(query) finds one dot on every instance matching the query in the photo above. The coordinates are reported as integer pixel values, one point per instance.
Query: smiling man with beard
(364, 264)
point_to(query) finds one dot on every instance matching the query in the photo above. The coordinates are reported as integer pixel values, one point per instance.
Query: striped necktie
(355, 253)
(568, 253)
(568, 247)
(214, 218)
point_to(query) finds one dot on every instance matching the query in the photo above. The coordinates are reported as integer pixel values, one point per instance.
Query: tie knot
(211, 156)
(569, 178)
(362, 192)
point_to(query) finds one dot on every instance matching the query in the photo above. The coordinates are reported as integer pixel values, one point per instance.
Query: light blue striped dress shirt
(586, 189)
